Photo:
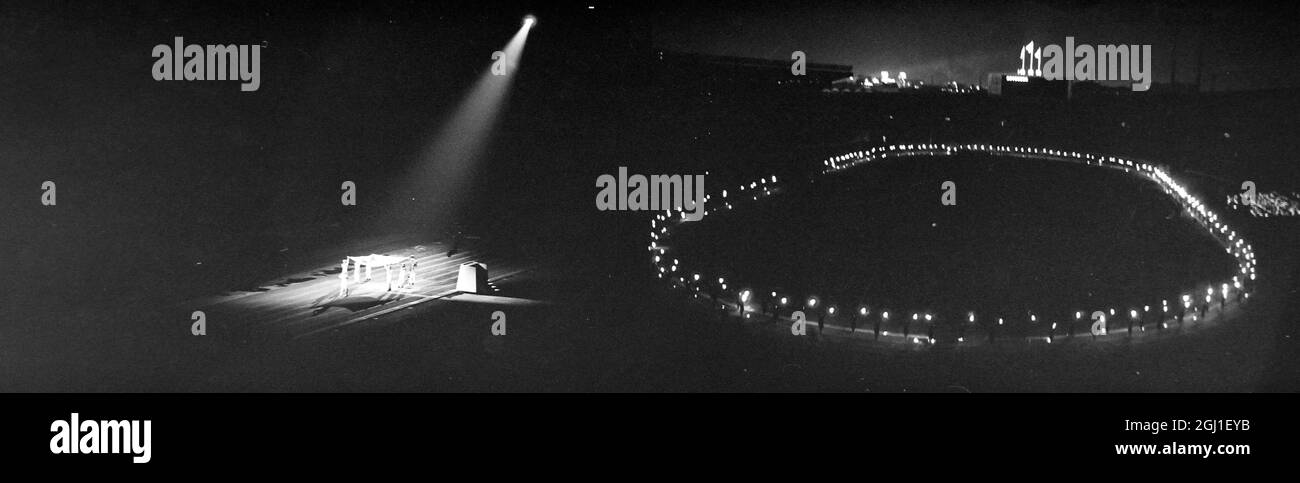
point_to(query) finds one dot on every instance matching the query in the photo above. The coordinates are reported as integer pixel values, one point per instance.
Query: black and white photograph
(928, 204)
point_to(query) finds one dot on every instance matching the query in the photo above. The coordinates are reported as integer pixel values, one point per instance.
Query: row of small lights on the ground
(1269, 204)
(671, 269)
(885, 81)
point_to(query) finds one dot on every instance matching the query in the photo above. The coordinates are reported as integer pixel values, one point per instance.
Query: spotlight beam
(444, 170)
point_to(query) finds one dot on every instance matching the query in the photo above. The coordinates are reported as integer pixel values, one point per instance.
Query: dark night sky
(1244, 46)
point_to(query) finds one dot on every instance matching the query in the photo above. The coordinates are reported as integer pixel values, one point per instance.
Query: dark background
(156, 177)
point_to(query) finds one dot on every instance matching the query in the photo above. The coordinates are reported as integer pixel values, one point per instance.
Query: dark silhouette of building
(716, 75)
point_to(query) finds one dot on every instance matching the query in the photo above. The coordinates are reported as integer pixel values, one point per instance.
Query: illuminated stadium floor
(309, 303)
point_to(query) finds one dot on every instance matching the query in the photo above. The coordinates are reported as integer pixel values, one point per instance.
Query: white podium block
(473, 278)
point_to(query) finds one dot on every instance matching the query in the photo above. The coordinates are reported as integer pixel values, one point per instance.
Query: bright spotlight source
(529, 20)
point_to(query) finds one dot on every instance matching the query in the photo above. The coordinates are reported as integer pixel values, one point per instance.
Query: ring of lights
(669, 268)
